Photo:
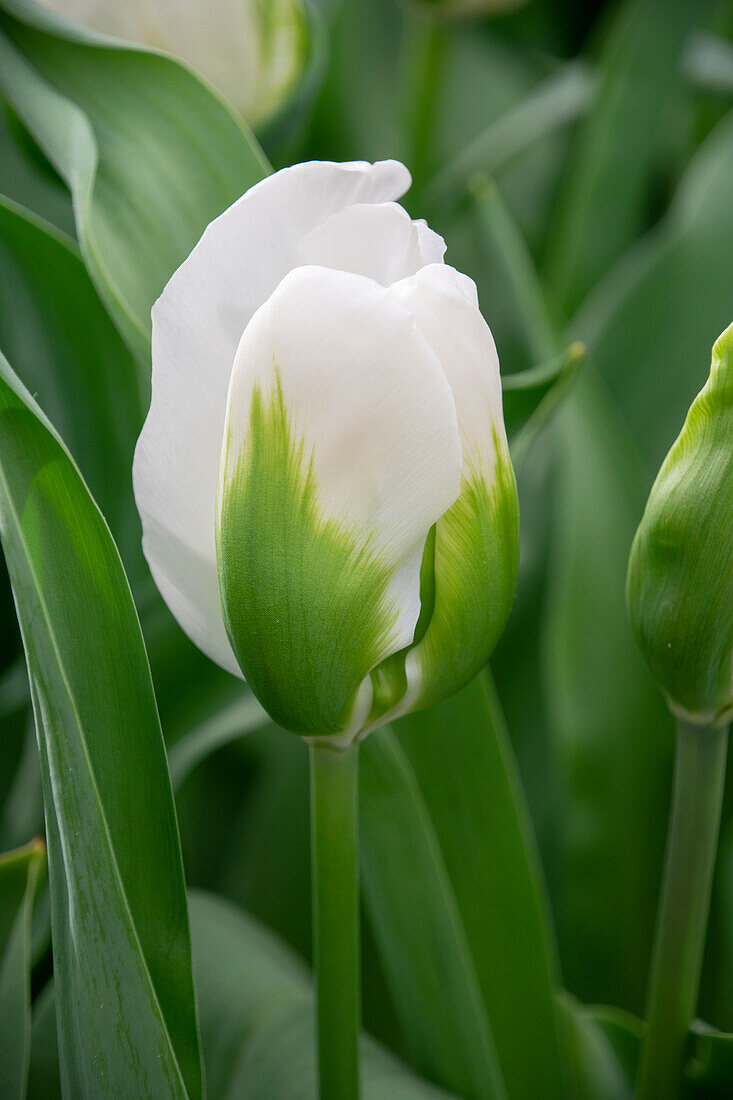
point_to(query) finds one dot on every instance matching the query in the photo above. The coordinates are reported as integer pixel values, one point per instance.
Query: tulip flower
(327, 500)
(680, 594)
(253, 52)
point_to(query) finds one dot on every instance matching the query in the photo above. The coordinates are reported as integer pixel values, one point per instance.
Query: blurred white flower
(251, 50)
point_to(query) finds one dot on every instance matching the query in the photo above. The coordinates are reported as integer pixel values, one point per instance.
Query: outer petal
(380, 241)
(197, 324)
(477, 540)
(341, 452)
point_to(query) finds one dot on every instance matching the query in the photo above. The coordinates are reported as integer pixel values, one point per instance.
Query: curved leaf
(55, 331)
(460, 757)
(603, 203)
(560, 99)
(119, 918)
(149, 152)
(417, 923)
(611, 732)
(596, 1069)
(257, 1017)
(651, 322)
(19, 871)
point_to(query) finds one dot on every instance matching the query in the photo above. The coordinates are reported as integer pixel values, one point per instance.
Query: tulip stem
(334, 860)
(683, 909)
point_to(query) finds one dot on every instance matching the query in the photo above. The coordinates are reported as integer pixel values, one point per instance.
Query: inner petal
(378, 240)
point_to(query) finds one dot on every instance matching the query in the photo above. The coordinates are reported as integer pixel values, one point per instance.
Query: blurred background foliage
(577, 158)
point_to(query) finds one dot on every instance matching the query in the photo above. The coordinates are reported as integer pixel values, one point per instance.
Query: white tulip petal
(197, 325)
(379, 240)
(477, 539)
(368, 400)
(444, 304)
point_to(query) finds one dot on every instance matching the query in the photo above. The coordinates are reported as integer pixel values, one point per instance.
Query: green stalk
(683, 911)
(334, 803)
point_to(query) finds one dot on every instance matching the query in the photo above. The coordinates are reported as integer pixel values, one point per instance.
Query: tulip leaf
(55, 331)
(19, 871)
(606, 193)
(531, 396)
(555, 102)
(149, 152)
(119, 918)
(650, 324)
(611, 733)
(514, 269)
(257, 1018)
(417, 923)
(600, 1048)
(26, 176)
(458, 758)
(710, 1065)
(228, 724)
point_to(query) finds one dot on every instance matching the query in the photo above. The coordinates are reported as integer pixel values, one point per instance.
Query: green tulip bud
(680, 581)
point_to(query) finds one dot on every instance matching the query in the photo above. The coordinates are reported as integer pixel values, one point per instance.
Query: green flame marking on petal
(475, 572)
(304, 595)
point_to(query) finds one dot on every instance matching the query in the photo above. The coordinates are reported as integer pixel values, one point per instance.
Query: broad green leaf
(119, 919)
(611, 732)
(257, 1018)
(459, 756)
(19, 871)
(55, 331)
(606, 194)
(418, 926)
(149, 152)
(650, 324)
(27, 178)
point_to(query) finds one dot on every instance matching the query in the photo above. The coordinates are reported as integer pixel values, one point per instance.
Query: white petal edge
(444, 304)
(370, 401)
(378, 240)
(197, 324)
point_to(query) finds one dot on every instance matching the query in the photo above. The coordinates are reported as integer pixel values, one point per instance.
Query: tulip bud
(680, 581)
(252, 52)
(327, 499)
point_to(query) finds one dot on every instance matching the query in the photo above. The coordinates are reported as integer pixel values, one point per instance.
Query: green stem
(683, 911)
(334, 801)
